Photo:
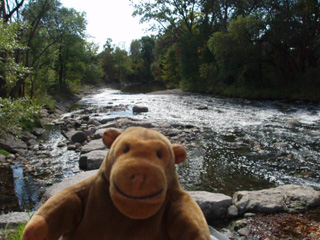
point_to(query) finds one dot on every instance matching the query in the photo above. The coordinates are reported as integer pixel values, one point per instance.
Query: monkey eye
(159, 154)
(126, 149)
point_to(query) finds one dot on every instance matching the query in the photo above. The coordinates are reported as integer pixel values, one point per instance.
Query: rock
(288, 198)
(13, 219)
(58, 122)
(92, 160)
(11, 157)
(75, 136)
(98, 134)
(249, 215)
(108, 125)
(93, 146)
(293, 123)
(26, 136)
(94, 122)
(202, 107)
(281, 145)
(89, 131)
(62, 144)
(232, 212)
(66, 183)
(37, 131)
(12, 144)
(86, 118)
(213, 205)
(244, 232)
(139, 109)
(79, 137)
(71, 147)
(2, 158)
(125, 123)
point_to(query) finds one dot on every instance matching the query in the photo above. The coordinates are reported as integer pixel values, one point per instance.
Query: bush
(17, 114)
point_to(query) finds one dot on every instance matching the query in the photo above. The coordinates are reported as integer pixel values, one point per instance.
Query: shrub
(17, 114)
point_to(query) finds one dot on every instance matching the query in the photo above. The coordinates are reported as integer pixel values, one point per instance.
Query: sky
(109, 19)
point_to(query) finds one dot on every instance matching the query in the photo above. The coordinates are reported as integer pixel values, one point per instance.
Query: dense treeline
(43, 53)
(243, 48)
(43, 48)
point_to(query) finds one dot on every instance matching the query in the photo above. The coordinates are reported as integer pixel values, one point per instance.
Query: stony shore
(83, 133)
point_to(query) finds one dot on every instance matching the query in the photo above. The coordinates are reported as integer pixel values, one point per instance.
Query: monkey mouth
(135, 197)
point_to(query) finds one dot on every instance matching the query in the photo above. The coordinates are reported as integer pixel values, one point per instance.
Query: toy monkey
(135, 195)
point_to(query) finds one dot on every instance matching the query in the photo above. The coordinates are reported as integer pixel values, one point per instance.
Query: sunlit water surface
(244, 145)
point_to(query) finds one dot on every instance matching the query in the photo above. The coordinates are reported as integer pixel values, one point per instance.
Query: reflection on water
(26, 191)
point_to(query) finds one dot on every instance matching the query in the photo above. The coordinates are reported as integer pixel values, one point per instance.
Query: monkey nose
(138, 181)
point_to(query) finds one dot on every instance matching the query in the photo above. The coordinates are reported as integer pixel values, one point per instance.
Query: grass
(4, 152)
(12, 234)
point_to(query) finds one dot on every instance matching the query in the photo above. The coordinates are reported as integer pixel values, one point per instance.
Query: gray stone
(75, 136)
(202, 107)
(71, 147)
(139, 109)
(37, 131)
(232, 212)
(108, 125)
(131, 122)
(244, 232)
(10, 157)
(213, 205)
(92, 160)
(98, 134)
(94, 122)
(26, 136)
(51, 191)
(93, 146)
(249, 215)
(89, 131)
(78, 137)
(2, 158)
(13, 219)
(288, 198)
(293, 123)
(12, 144)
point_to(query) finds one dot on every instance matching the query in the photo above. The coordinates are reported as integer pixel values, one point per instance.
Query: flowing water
(244, 145)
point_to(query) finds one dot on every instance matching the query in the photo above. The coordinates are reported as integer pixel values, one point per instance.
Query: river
(243, 145)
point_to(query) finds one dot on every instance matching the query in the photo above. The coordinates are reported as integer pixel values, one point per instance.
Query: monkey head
(140, 168)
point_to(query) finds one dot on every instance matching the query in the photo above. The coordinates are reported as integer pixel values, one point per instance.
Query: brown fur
(135, 195)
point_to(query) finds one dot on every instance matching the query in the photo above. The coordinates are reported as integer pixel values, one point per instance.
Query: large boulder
(93, 145)
(12, 144)
(54, 189)
(213, 205)
(92, 160)
(288, 198)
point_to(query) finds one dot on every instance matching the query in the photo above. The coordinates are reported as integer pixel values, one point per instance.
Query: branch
(9, 15)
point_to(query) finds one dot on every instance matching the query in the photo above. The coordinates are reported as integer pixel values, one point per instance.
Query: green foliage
(92, 74)
(10, 70)
(244, 48)
(4, 152)
(14, 234)
(170, 67)
(17, 114)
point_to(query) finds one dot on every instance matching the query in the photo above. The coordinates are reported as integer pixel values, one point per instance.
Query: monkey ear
(180, 153)
(110, 135)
